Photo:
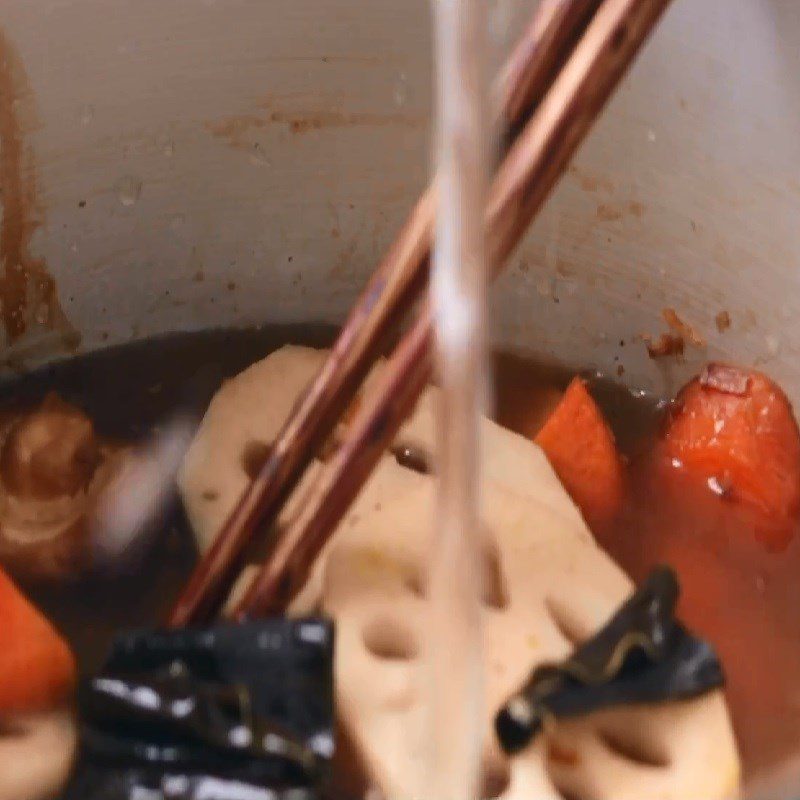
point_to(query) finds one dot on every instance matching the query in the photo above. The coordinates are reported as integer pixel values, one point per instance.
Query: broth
(738, 595)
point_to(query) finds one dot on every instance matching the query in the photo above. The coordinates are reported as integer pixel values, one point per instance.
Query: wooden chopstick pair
(554, 86)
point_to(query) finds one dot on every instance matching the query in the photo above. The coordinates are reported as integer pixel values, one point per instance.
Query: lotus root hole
(390, 640)
(254, 456)
(494, 593)
(635, 749)
(414, 581)
(569, 793)
(495, 777)
(414, 458)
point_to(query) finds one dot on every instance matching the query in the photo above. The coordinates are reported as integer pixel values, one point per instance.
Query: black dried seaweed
(642, 655)
(106, 783)
(229, 711)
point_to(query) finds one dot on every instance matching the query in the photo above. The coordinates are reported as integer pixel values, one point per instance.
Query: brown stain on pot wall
(682, 328)
(314, 121)
(238, 130)
(28, 292)
(235, 130)
(591, 182)
(637, 209)
(607, 213)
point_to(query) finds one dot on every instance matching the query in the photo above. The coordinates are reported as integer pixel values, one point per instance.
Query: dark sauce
(736, 594)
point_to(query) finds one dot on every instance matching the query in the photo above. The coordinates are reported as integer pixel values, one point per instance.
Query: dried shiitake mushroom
(53, 469)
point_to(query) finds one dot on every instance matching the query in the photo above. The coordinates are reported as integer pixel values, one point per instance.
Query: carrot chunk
(580, 446)
(735, 431)
(37, 669)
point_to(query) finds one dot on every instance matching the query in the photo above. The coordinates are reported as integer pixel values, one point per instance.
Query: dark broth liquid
(734, 592)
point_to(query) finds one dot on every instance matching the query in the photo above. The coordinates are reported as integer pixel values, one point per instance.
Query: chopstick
(398, 281)
(529, 172)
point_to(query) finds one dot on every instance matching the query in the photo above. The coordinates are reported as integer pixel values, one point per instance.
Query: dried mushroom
(53, 469)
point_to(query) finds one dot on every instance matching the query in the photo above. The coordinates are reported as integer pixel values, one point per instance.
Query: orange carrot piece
(734, 430)
(580, 446)
(37, 669)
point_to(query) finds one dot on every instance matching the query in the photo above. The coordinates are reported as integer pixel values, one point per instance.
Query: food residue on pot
(28, 291)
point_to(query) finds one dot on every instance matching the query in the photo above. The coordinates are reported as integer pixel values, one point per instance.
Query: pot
(210, 163)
